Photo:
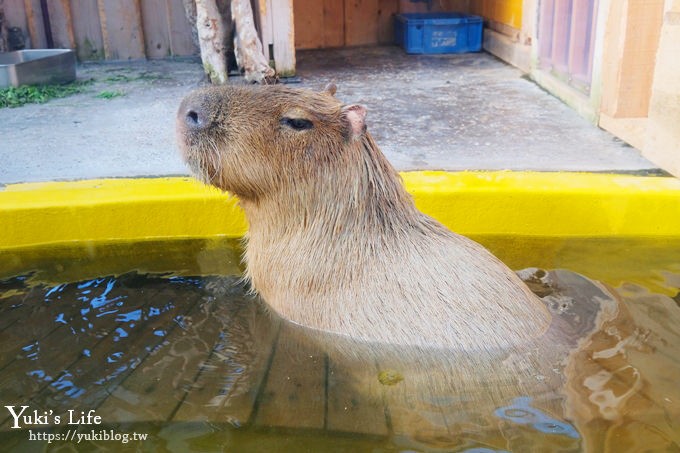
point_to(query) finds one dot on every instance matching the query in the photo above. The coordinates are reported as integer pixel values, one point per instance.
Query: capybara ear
(330, 89)
(355, 118)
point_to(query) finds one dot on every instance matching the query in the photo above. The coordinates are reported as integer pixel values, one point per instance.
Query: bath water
(159, 346)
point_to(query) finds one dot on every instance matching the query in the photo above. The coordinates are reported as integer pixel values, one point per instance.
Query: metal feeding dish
(37, 67)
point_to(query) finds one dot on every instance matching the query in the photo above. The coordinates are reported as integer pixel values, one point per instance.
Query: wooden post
(278, 33)
(266, 23)
(247, 45)
(212, 40)
(284, 37)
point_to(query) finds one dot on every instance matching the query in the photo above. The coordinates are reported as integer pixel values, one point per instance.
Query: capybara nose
(195, 118)
(193, 113)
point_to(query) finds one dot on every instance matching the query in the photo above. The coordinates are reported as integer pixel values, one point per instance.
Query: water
(160, 339)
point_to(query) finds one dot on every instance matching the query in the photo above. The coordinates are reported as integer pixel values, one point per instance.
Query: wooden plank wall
(107, 29)
(335, 23)
(132, 29)
(645, 20)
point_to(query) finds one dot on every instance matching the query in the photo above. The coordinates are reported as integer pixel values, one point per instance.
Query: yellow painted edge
(503, 203)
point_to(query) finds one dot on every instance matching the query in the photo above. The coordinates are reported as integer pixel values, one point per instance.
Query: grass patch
(108, 94)
(145, 75)
(39, 94)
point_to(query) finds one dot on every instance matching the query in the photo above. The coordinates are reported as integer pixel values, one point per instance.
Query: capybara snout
(193, 116)
(199, 111)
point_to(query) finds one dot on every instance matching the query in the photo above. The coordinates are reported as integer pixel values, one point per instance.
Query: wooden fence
(105, 29)
(339, 23)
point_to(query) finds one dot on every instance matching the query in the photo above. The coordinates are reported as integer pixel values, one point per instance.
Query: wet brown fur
(335, 242)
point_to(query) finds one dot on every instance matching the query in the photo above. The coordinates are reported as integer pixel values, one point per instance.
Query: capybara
(405, 312)
(335, 242)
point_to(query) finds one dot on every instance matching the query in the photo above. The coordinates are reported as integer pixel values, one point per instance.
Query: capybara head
(253, 140)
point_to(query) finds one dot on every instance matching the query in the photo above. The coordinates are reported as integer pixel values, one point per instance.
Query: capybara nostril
(195, 113)
(194, 119)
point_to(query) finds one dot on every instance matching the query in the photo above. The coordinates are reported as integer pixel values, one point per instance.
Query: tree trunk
(212, 38)
(247, 45)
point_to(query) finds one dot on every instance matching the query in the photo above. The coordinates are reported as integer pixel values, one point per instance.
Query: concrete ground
(449, 112)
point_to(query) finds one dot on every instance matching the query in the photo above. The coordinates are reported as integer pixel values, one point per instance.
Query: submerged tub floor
(162, 341)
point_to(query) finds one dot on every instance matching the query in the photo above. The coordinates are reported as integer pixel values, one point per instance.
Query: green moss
(90, 51)
(107, 94)
(215, 77)
(39, 94)
(209, 70)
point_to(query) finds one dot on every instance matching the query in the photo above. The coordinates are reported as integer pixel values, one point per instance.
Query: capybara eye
(299, 124)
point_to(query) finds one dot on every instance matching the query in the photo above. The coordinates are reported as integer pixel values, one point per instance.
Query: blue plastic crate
(438, 32)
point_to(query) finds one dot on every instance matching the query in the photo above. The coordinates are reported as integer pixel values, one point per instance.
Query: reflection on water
(197, 364)
(521, 412)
